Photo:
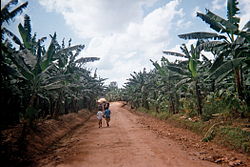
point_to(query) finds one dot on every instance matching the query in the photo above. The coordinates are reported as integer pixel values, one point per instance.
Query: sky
(124, 34)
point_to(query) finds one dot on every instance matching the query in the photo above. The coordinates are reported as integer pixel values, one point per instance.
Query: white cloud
(183, 24)
(97, 18)
(218, 4)
(3, 3)
(119, 32)
(244, 10)
(123, 53)
(196, 9)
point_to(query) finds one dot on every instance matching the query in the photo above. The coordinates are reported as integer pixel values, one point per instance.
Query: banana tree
(193, 75)
(9, 92)
(38, 72)
(113, 93)
(166, 91)
(44, 78)
(84, 85)
(154, 90)
(230, 45)
(137, 89)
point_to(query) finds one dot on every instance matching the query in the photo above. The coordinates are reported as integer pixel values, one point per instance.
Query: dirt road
(126, 143)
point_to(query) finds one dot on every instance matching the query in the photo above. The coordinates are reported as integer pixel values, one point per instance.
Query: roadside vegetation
(208, 96)
(39, 81)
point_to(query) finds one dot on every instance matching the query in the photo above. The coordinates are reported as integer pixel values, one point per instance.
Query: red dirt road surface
(128, 142)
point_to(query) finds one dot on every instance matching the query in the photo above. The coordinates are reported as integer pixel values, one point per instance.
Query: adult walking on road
(107, 114)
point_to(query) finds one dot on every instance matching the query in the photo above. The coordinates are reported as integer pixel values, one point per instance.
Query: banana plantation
(39, 82)
(45, 84)
(197, 85)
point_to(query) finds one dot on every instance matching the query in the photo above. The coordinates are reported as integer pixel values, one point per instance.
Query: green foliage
(237, 106)
(220, 132)
(45, 81)
(197, 85)
(210, 136)
(142, 109)
(231, 49)
(195, 72)
(136, 89)
(113, 93)
(189, 106)
(31, 113)
(234, 138)
(197, 127)
(226, 104)
(7, 15)
(201, 35)
(163, 115)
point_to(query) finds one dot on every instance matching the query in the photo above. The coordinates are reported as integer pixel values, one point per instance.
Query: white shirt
(99, 115)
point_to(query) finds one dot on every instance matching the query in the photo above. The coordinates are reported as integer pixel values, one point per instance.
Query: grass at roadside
(228, 133)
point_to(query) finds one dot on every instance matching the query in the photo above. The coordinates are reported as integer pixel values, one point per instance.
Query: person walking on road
(99, 116)
(107, 114)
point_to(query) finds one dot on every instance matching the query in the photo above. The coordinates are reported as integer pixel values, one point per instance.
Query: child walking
(107, 114)
(99, 116)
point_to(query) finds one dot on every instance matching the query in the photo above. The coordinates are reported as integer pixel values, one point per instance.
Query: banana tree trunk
(239, 83)
(213, 85)
(145, 104)
(198, 96)
(30, 110)
(172, 107)
(177, 104)
(32, 100)
(157, 108)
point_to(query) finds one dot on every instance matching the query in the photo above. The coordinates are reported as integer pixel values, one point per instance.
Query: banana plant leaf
(6, 15)
(22, 67)
(232, 10)
(226, 67)
(174, 54)
(229, 27)
(25, 36)
(177, 70)
(182, 82)
(13, 37)
(213, 24)
(209, 45)
(201, 35)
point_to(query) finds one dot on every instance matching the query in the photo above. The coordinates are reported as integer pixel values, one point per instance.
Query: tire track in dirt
(125, 143)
